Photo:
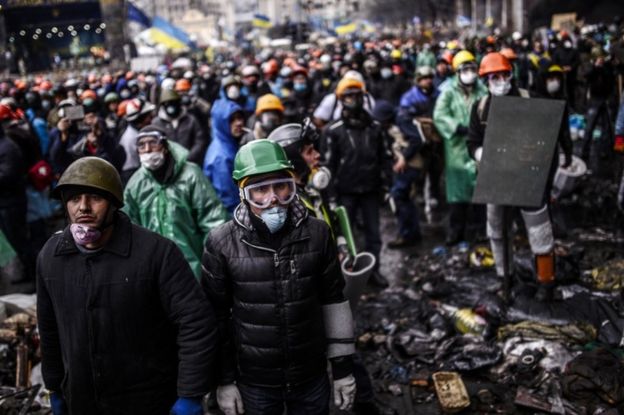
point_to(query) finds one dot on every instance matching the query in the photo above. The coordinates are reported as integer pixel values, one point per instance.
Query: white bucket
(566, 178)
(357, 277)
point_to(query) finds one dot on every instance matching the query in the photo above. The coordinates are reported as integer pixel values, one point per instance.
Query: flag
(136, 15)
(172, 31)
(345, 29)
(261, 21)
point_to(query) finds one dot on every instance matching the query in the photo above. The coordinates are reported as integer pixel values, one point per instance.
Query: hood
(221, 113)
(179, 154)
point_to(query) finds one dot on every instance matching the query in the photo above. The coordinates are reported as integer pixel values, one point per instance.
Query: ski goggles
(262, 194)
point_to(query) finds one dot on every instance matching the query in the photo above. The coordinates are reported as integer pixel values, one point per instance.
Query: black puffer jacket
(187, 131)
(358, 155)
(126, 329)
(268, 302)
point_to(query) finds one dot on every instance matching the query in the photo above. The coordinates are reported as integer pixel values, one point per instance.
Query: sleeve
(619, 122)
(324, 110)
(216, 284)
(58, 150)
(406, 100)
(131, 207)
(10, 164)
(41, 128)
(200, 142)
(188, 309)
(443, 117)
(565, 141)
(207, 208)
(52, 367)
(475, 131)
(330, 152)
(386, 156)
(332, 281)
(412, 135)
(223, 183)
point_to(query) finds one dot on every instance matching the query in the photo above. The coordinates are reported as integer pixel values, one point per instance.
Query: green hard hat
(111, 97)
(167, 95)
(93, 172)
(260, 157)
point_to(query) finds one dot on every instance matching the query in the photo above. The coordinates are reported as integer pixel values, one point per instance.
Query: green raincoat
(184, 209)
(452, 109)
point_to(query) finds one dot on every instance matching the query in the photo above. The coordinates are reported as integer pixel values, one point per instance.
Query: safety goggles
(499, 76)
(262, 194)
(152, 140)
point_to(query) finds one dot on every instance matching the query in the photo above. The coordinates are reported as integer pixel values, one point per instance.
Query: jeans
(407, 213)
(369, 205)
(310, 398)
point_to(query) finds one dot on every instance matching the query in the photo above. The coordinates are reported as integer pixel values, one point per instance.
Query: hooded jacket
(186, 131)
(219, 160)
(184, 209)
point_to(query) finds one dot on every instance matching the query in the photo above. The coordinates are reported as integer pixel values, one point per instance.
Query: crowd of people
(227, 159)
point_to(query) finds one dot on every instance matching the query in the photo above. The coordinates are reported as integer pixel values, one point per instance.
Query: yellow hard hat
(555, 68)
(268, 102)
(462, 57)
(396, 54)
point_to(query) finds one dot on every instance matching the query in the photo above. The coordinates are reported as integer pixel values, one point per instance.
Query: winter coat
(184, 130)
(126, 329)
(359, 158)
(418, 104)
(184, 209)
(451, 110)
(269, 301)
(219, 160)
(12, 177)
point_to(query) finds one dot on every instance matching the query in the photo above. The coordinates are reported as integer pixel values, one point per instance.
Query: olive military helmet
(260, 157)
(95, 173)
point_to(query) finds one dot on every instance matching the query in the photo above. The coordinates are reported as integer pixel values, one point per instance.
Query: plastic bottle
(466, 320)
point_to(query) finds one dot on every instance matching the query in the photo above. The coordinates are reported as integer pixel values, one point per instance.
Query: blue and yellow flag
(345, 28)
(261, 21)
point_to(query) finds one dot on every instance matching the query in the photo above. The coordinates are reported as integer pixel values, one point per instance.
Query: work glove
(57, 402)
(344, 392)
(461, 130)
(187, 406)
(229, 400)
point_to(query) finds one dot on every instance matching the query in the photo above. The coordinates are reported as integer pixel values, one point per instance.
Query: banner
(261, 21)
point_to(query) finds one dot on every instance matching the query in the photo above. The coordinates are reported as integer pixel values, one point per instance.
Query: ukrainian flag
(345, 29)
(261, 21)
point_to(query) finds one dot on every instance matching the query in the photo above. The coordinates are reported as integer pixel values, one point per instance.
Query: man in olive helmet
(273, 276)
(125, 327)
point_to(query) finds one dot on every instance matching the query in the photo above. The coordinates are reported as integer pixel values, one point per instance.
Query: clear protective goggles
(262, 194)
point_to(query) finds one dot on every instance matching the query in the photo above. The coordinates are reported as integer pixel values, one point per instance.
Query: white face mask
(567, 44)
(468, 77)
(552, 86)
(152, 161)
(233, 92)
(499, 88)
(386, 73)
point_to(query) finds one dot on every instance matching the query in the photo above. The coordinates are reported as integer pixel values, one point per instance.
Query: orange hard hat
(348, 83)
(182, 85)
(45, 85)
(509, 53)
(20, 84)
(271, 67)
(121, 109)
(88, 94)
(494, 62)
(129, 75)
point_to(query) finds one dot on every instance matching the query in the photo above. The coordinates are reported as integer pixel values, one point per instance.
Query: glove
(461, 130)
(344, 393)
(618, 144)
(57, 402)
(187, 406)
(229, 400)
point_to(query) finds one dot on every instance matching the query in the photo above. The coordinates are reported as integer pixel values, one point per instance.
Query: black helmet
(292, 137)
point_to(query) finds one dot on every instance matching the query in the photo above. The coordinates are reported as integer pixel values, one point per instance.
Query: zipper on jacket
(276, 259)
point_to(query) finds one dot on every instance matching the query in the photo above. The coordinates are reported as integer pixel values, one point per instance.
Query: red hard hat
(494, 62)
(6, 113)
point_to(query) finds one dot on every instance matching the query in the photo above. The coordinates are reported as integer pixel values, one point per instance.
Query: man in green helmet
(125, 328)
(273, 276)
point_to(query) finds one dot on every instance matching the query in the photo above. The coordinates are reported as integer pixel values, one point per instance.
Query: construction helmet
(137, 107)
(396, 54)
(88, 94)
(494, 62)
(167, 95)
(271, 67)
(424, 72)
(462, 57)
(260, 157)
(111, 97)
(509, 53)
(95, 173)
(268, 102)
(555, 69)
(348, 83)
(183, 85)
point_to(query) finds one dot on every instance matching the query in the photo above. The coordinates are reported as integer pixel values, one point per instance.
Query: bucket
(357, 276)
(566, 178)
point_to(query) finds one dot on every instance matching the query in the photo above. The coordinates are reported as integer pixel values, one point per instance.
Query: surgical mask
(499, 87)
(173, 110)
(320, 178)
(152, 161)
(274, 218)
(300, 87)
(233, 93)
(553, 86)
(83, 234)
(386, 73)
(468, 77)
